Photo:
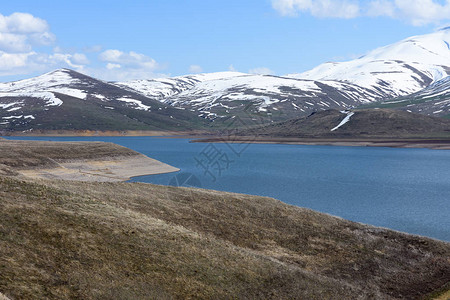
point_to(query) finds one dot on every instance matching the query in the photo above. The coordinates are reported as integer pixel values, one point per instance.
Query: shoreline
(117, 169)
(100, 133)
(432, 143)
(80, 161)
(205, 137)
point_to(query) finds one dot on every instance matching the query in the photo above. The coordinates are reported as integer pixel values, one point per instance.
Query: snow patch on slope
(50, 98)
(345, 120)
(136, 103)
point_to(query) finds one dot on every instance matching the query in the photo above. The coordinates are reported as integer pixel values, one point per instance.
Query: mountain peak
(65, 71)
(398, 69)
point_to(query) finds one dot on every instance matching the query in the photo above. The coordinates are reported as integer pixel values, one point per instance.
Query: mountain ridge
(66, 99)
(395, 70)
(403, 72)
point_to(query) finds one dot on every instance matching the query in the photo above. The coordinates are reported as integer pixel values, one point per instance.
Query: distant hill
(364, 123)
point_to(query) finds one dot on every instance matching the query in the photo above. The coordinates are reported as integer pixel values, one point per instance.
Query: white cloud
(417, 12)
(381, 8)
(10, 61)
(231, 68)
(95, 48)
(131, 59)
(19, 31)
(43, 38)
(23, 63)
(111, 55)
(22, 23)
(319, 8)
(195, 69)
(14, 42)
(115, 72)
(422, 12)
(75, 61)
(111, 66)
(261, 71)
(126, 66)
(80, 58)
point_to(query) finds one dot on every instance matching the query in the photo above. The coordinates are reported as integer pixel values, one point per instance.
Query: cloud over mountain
(417, 13)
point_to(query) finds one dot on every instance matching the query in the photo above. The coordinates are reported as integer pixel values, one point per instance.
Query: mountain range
(411, 75)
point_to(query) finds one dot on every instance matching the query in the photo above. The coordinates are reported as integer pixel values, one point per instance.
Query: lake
(402, 189)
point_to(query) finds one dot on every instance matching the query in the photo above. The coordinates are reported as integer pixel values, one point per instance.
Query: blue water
(402, 189)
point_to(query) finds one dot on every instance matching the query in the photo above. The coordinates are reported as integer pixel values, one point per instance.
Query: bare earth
(84, 161)
(111, 170)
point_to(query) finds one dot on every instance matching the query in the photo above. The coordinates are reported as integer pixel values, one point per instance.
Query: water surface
(402, 189)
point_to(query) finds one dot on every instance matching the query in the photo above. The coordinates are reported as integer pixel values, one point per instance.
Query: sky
(144, 39)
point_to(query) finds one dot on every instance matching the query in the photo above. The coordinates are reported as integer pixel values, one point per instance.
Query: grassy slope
(141, 241)
(29, 154)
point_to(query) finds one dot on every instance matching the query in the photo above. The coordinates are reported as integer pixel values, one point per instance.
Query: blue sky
(114, 40)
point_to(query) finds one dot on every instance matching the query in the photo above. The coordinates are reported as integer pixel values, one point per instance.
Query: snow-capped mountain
(433, 100)
(396, 70)
(68, 99)
(211, 96)
(413, 70)
(69, 83)
(439, 89)
(264, 95)
(162, 88)
(399, 69)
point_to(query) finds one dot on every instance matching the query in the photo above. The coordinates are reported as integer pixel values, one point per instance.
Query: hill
(364, 123)
(73, 240)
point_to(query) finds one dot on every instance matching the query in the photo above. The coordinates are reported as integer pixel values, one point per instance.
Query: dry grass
(139, 241)
(39, 154)
(444, 296)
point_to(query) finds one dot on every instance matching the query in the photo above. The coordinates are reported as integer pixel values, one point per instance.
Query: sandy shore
(105, 170)
(436, 144)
